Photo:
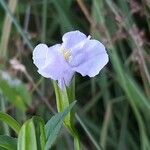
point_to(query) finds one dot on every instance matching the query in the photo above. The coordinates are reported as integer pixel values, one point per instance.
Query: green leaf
(63, 101)
(64, 16)
(10, 121)
(40, 130)
(15, 91)
(53, 126)
(17, 25)
(32, 135)
(132, 90)
(8, 143)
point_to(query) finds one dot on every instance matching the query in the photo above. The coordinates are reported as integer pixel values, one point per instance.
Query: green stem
(75, 135)
(63, 99)
(77, 143)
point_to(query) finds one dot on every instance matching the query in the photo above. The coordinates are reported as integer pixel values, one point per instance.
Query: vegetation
(113, 109)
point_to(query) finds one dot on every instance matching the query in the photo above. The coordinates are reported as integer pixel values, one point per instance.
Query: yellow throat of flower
(66, 54)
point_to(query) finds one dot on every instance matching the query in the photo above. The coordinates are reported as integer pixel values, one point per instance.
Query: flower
(77, 53)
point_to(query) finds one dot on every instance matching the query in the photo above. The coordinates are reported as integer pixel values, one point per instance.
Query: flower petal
(94, 59)
(54, 63)
(71, 39)
(67, 76)
(77, 59)
(78, 54)
(66, 79)
(39, 55)
(56, 67)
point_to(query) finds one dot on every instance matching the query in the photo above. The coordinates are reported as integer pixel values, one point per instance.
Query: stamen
(66, 54)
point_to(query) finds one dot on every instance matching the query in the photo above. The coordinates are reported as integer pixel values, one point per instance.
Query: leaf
(15, 91)
(128, 84)
(63, 102)
(64, 16)
(40, 130)
(32, 135)
(17, 25)
(8, 143)
(53, 126)
(10, 121)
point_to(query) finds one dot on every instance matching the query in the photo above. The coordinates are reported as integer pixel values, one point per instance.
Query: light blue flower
(77, 53)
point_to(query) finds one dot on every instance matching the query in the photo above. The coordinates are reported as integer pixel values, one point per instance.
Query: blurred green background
(115, 105)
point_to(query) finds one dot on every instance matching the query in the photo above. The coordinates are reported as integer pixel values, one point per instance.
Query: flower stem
(63, 99)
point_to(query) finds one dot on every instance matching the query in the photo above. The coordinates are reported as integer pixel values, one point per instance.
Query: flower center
(66, 54)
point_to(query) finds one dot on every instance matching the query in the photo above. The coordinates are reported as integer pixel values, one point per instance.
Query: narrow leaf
(15, 91)
(8, 143)
(53, 126)
(10, 121)
(32, 135)
(63, 102)
(40, 132)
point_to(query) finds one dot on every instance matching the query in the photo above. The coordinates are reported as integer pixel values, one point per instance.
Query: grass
(116, 108)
